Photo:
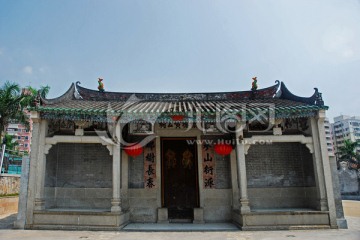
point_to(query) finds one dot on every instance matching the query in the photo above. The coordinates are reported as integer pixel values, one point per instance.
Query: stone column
(327, 170)
(40, 167)
(32, 168)
(319, 173)
(116, 173)
(241, 171)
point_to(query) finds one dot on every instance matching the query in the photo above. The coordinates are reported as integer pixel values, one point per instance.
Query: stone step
(309, 227)
(179, 220)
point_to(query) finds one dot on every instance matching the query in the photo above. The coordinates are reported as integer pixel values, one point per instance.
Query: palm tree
(10, 104)
(13, 102)
(30, 94)
(349, 154)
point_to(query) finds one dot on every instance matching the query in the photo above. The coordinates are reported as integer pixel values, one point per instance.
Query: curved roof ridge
(90, 94)
(315, 99)
(68, 95)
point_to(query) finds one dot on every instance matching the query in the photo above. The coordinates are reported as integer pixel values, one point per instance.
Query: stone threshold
(71, 211)
(285, 211)
(180, 227)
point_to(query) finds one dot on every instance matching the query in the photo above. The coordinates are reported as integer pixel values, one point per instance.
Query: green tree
(10, 142)
(13, 102)
(349, 154)
(10, 104)
(31, 93)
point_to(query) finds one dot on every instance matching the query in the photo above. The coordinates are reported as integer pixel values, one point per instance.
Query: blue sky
(185, 46)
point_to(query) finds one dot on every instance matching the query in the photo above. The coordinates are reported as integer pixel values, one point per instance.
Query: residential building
(22, 135)
(346, 128)
(329, 137)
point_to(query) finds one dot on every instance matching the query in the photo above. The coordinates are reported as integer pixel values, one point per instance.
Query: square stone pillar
(40, 166)
(116, 179)
(327, 170)
(241, 170)
(318, 167)
(31, 189)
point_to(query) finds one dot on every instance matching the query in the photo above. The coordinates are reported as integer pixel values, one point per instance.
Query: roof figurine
(254, 84)
(101, 85)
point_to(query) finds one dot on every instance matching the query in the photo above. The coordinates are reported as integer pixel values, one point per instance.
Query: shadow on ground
(8, 221)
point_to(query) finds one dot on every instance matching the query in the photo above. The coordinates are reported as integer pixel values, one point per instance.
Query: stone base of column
(198, 215)
(323, 205)
(244, 205)
(162, 215)
(116, 205)
(39, 204)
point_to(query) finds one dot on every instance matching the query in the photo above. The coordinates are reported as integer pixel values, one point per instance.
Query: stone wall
(142, 204)
(217, 205)
(349, 183)
(9, 184)
(281, 175)
(78, 176)
(136, 171)
(222, 172)
(8, 205)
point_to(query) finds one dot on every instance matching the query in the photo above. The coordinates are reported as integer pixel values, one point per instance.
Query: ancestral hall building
(86, 172)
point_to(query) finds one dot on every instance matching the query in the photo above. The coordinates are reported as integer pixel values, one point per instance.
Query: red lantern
(133, 150)
(177, 117)
(223, 149)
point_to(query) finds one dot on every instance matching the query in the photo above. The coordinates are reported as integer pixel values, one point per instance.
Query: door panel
(180, 180)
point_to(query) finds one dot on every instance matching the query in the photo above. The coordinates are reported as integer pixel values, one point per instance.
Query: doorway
(180, 188)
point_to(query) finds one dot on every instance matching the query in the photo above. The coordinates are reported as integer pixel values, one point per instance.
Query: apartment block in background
(22, 136)
(329, 137)
(346, 128)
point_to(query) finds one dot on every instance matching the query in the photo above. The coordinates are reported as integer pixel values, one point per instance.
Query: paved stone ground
(353, 233)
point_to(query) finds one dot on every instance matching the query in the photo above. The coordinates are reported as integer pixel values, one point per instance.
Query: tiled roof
(172, 106)
(81, 101)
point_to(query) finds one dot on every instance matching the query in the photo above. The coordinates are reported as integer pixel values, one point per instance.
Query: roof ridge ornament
(278, 91)
(254, 85)
(254, 88)
(101, 85)
(76, 92)
(318, 100)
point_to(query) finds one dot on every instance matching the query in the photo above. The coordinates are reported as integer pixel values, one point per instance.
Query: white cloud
(342, 42)
(42, 70)
(28, 70)
(1, 52)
